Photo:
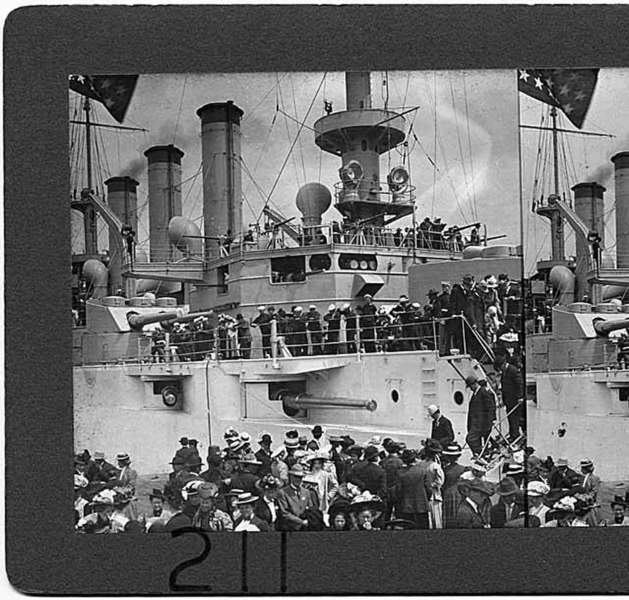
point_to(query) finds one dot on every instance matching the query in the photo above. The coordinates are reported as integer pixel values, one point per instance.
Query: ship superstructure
(229, 268)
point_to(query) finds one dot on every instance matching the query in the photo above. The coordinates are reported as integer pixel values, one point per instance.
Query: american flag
(113, 91)
(570, 90)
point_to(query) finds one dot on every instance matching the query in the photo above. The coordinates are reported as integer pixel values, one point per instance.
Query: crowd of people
(321, 482)
(366, 327)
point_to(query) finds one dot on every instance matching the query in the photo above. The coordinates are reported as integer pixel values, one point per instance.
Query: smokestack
(588, 204)
(123, 201)
(358, 90)
(164, 171)
(621, 178)
(222, 173)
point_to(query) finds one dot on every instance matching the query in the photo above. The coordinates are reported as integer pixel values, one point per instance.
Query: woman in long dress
(452, 471)
(432, 463)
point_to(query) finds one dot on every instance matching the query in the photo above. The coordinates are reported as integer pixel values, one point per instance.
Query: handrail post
(274, 344)
(463, 333)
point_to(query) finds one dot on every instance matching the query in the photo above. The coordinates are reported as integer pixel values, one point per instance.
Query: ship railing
(168, 254)
(375, 192)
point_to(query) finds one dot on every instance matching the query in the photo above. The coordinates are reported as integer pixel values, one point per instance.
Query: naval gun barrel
(137, 321)
(187, 318)
(296, 401)
(603, 327)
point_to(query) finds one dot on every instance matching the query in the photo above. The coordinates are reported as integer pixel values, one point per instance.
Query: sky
(463, 142)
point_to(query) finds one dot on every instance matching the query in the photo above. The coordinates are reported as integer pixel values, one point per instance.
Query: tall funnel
(589, 206)
(621, 177)
(123, 201)
(164, 171)
(222, 173)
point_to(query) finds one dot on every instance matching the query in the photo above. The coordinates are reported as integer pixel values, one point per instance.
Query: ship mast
(89, 222)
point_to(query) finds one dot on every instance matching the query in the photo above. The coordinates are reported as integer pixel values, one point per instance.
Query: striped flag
(570, 90)
(113, 91)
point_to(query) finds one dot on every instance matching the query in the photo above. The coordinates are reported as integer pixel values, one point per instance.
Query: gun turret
(187, 318)
(137, 321)
(603, 327)
(296, 401)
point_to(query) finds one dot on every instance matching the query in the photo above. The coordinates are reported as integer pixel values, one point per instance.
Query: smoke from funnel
(135, 168)
(601, 174)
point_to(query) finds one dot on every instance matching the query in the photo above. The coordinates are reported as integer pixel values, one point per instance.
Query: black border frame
(42, 45)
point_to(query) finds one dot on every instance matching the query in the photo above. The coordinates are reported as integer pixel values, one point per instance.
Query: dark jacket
(413, 490)
(442, 431)
(261, 524)
(392, 466)
(294, 505)
(511, 385)
(370, 476)
(499, 514)
(468, 518)
(261, 509)
(482, 410)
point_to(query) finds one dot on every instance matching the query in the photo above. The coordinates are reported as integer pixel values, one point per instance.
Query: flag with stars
(570, 90)
(113, 91)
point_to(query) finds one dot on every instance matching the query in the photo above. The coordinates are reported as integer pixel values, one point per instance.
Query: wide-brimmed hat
(178, 460)
(310, 478)
(491, 282)
(453, 449)
(433, 446)
(207, 490)
(245, 437)
(562, 462)
(236, 444)
(297, 470)
(370, 452)
(191, 488)
(481, 486)
(431, 409)
(479, 465)
(563, 506)
(250, 459)
(157, 494)
(318, 455)
(235, 492)
(291, 442)
(537, 488)
(122, 456)
(586, 463)
(268, 482)
(230, 433)
(512, 469)
(317, 429)
(366, 500)
(183, 440)
(265, 438)
(246, 498)
(408, 456)
(617, 501)
(104, 498)
(506, 487)
(99, 456)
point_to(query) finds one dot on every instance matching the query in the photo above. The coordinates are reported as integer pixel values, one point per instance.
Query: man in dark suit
(507, 507)
(264, 454)
(511, 385)
(369, 475)
(294, 501)
(442, 430)
(267, 507)
(392, 465)
(413, 492)
(469, 515)
(481, 414)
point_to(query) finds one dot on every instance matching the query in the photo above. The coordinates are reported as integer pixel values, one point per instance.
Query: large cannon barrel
(603, 327)
(137, 321)
(296, 401)
(192, 316)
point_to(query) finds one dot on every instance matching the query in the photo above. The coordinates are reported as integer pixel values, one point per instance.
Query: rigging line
(266, 141)
(434, 171)
(291, 149)
(321, 149)
(273, 89)
(469, 143)
(303, 124)
(408, 81)
(301, 148)
(458, 135)
(183, 91)
(295, 170)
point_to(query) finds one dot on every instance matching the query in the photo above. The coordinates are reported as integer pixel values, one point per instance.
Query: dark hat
(317, 429)
(193, 442)
(481, 486)
(619, 501)
(408, 456)
(268, 482)
(265, 438)
(183, 440)
(400, 524)
(370, 453)
(177, 460)
(348, 440)
(79, 460)
(433, 446)
(432, 292)
(157, 494)
(470, 379)
(506, 487)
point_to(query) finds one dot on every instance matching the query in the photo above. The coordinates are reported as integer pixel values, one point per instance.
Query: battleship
(127, 397)
(578, 310)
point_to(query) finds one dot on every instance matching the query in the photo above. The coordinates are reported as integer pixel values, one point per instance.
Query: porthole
(458, 398)
(395, 395)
